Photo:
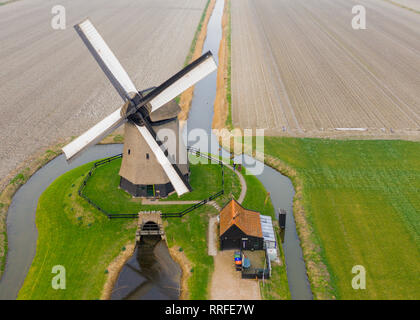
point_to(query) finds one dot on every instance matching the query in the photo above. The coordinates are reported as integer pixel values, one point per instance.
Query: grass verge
(190, 55)
(229, 123)
(276, 288)
(402, 6)
(223, 100)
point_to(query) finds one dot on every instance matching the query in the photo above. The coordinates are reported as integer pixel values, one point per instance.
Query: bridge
(149, 224)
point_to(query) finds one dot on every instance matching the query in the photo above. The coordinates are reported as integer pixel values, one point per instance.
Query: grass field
(84, 241)
(362, 200)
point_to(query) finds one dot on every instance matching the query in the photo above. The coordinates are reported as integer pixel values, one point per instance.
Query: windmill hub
(148, 167)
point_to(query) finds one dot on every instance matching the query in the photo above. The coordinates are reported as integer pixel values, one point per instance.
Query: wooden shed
(240, 228)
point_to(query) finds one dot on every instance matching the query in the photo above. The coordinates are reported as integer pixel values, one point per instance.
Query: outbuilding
(240, 228)
(269, 237)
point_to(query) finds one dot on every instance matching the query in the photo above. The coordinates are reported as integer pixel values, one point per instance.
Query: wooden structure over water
(149, 224)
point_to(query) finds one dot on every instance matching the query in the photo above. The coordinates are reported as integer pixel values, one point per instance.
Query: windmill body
(141, 174)
(150, 168)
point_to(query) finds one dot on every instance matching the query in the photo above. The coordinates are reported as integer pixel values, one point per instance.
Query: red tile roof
(246, 220)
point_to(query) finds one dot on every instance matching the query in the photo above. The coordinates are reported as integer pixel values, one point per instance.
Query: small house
(240, 228)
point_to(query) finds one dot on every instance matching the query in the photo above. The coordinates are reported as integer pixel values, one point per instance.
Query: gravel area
(227, 284)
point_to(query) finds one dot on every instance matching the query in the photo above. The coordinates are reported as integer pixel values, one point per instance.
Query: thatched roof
(167, 111)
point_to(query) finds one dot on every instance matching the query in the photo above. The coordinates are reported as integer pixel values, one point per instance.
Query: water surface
(149, 274)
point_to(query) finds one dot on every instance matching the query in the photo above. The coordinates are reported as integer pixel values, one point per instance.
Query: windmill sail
(156, 98)
(199, 71)
(94, 134)
(180, 82)
(106, 59)
(175, 178)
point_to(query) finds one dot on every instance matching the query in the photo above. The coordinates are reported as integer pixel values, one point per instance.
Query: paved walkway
(242, 181)
(226, 282)
(176, 202)
(157, 202)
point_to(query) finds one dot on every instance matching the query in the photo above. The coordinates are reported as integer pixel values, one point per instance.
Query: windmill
(147, 168)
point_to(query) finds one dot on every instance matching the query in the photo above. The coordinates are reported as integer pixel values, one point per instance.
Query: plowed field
(299, 68)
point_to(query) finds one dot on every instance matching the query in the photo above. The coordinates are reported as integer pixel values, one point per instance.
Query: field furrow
(299, 68)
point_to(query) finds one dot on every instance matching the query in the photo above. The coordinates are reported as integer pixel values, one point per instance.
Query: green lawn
(205, 179)
(80, 238)
(362, 199)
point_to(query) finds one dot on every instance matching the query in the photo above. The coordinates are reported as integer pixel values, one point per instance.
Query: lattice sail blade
(167, 166)
(94, 134)
(106, 59)
(184, 79)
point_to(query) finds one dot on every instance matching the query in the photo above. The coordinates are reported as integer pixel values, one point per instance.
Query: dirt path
(227, 284)
(212, 237)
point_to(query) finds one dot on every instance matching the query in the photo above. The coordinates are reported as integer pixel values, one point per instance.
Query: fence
(258, 272)
(163, 215)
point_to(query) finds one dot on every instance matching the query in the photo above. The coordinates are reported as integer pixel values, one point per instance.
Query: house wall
(232, 239)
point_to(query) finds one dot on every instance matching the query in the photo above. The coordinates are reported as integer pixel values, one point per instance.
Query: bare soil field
(50, 85)
(410, 4)
(299, 69)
